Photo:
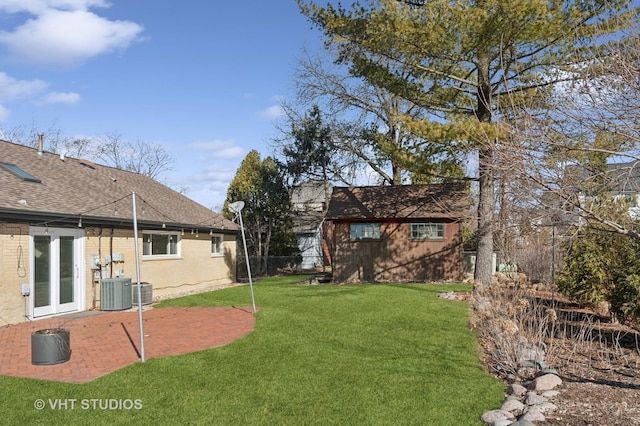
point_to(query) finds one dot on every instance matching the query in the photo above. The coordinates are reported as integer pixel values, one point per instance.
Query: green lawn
(325, 355)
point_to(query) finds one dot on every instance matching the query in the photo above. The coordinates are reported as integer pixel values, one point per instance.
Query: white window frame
(427, 231)
(364, 231)
(147, 245)
(220, 245)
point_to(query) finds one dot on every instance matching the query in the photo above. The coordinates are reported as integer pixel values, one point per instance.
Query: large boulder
(544, 383)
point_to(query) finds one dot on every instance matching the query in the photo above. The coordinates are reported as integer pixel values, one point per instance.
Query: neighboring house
(67, 224)
(397, 233)
(625, 179)
(550, 226)
(583, 187)
(309, 203)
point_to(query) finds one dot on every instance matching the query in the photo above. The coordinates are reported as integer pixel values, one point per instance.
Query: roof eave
(36, 218)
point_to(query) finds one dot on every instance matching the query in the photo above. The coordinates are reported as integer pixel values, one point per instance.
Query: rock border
(525, 405)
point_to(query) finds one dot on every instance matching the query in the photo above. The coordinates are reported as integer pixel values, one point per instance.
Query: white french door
(57, 269)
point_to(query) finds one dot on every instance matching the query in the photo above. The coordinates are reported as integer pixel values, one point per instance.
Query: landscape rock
(533, 364)
(544, 383)
(546, 407)
(534, 399)
(533, 415)
(523, 360)
(490, 417)
(523, 406)
(522, 423)
(544, 371)
(516, 390)
(550, 394)
(513, 406)
(530, 355)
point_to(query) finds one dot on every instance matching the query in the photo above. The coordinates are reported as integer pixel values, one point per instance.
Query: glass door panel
(42, 271)
(57, 263)
(67, 269)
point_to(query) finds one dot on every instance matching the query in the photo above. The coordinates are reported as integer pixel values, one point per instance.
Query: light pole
(236, 209)
(137, 253)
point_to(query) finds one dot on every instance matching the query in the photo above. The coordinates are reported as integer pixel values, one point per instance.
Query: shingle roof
(70, 188)
(437, 201)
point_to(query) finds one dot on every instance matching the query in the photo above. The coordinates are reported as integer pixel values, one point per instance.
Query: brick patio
(103, 342)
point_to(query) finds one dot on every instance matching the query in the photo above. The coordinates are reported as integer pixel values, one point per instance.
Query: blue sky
(202, 78)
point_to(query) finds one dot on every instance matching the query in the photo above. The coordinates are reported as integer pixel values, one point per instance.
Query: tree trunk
(397, 175)
(484, 254)
(267, 243)
(396, 171)
(259, 261)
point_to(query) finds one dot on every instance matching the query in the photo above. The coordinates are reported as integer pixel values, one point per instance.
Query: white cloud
(213, 199)
(64, 32)
(10, 88)
(61, 98)
(219, 149)
(216, 177)
(272, 112)
(208, 173)
(4, 113)
(209, 186)
(39, 6)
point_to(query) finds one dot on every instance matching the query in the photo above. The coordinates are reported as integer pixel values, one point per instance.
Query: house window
(364, 231)
(216, 245)
(160, 244)
(427, 231)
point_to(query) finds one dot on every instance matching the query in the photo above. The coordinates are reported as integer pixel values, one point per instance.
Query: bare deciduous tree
(111, 149)
(466, 59)
(572, 161)
(140, 157)
(368, 134)
(585, 147)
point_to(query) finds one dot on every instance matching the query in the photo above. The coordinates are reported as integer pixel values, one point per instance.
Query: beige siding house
(403, 233)
(67, 224)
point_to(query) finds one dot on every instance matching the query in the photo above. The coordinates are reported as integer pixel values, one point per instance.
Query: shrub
(626, 304)
(514, 326)
(603, 267)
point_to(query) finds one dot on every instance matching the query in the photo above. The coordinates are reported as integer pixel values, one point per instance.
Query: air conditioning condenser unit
(115, 294)
(146, 293)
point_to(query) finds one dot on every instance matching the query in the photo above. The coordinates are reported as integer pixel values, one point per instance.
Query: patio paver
(108, 341)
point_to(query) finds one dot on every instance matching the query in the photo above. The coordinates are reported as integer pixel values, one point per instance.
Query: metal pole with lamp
(137, 253)
(236, 209)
